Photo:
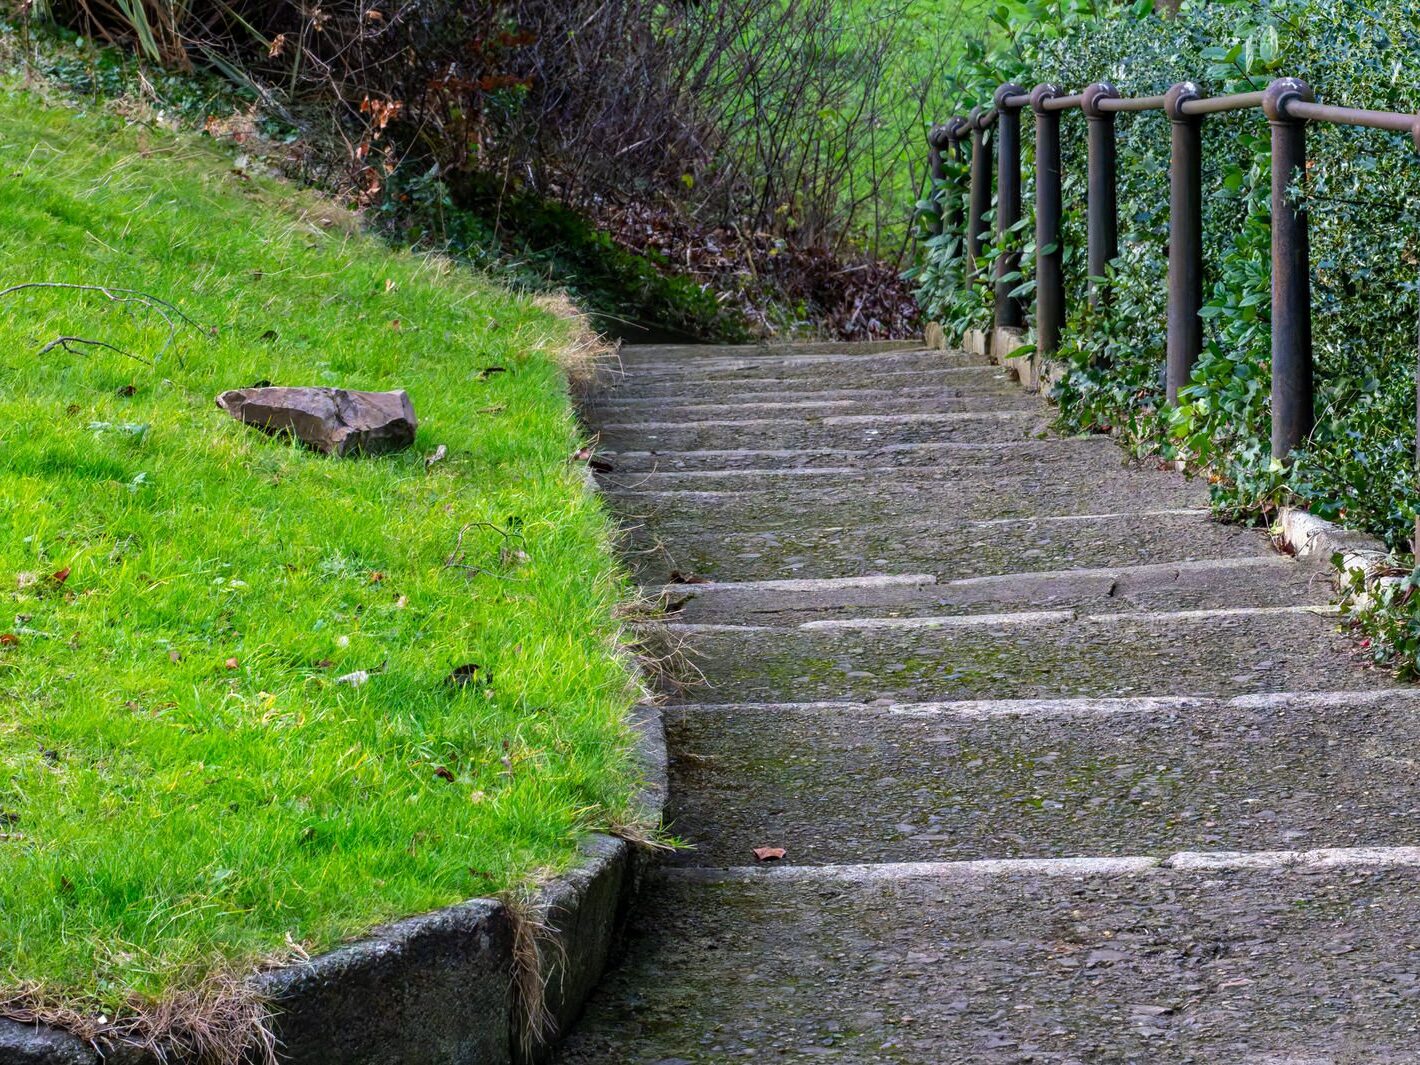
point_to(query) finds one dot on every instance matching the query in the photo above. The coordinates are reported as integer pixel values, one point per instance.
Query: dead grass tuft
(221, 1021)
(585, 353)
(534, 939)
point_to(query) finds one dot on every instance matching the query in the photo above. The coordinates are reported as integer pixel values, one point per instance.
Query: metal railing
(1288, 105)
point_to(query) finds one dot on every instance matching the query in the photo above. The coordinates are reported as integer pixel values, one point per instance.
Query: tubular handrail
(1288, 105)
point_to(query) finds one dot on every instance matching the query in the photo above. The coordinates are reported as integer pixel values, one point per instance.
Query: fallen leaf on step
(677, 577)
(769, 854)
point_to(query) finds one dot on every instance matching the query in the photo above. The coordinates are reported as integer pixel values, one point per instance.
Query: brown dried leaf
(769, 854)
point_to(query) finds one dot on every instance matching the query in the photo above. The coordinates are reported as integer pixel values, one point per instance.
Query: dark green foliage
(1360, 193)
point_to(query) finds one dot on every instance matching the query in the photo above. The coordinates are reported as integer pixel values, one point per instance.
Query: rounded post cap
(1042, 92)
(1091, 95)
(937, 137)
(1281, 92)
(1003, 92)
(1177, 96)
(973, 119)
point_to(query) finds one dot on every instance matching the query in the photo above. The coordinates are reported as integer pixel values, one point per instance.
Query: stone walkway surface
(1064, 771)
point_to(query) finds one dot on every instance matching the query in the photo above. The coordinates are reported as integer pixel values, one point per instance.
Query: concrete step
(639, 354)
(1228, 962)
(757, 381)
(1045, 779)
(1266, 580)
(939, 379)
(943, 400)
(1035, 655)
(910, 498)
(961, 455)
(1050, 464)
(783, 545)
(835, 431)
(821, 371)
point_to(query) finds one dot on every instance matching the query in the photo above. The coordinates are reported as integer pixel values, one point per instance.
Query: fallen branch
(169, 312)
(64, 342)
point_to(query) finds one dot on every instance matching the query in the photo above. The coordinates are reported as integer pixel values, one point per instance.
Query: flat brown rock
(335, 421)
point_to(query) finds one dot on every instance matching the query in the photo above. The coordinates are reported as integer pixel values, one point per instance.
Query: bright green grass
(162, 814)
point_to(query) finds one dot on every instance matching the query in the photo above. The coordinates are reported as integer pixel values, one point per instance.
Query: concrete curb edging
(436, 989)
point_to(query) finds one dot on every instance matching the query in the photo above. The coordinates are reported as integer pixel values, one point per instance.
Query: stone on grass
(335, 421)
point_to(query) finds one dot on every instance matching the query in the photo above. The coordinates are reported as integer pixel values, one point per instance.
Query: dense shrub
(1359, 191)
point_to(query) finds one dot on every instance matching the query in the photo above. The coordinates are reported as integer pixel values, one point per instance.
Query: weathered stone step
(1305, 963)
(960, 455)
(1043, 654)
(906, 497)
(755, 381)
(823, 371)
(1265, 580)
(720, 395)
(1045, 779)
(637, 354)
(945, 400)
(854, 543)
(828, 431)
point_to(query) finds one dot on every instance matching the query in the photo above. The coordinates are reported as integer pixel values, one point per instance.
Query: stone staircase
(1064, 771)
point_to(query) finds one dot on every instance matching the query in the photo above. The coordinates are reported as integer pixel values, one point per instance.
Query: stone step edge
(1304, 861)
(1076, 706)
(1008, 620)
(711, 588)
(412, 988)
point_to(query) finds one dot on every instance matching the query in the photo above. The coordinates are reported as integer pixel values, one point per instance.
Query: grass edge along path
(257, 701)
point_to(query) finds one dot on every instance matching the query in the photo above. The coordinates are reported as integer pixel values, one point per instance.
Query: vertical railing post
(1293, 407)
(1049, 268)
(936, 174)
(1101, 199)
(1008, 205)
(980, 197)
(1185, 327)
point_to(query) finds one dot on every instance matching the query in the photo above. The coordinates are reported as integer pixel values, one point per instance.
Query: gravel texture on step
(959, 455)
(751, 381)
(713, 545)
(793, 407)
(698, 395)
(901, 498)
(822, 371)
(836, 784)
(1259, 967)
(1021, 656)
(827, 431)
(1268, 580)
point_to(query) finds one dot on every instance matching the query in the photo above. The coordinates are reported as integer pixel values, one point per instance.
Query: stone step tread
(1046, 779)
(1027, 655)
(905, 498)
(962, 455)
(750, 380)
(977, 384)
(1265, 580)
(816, 372)
(1063, 473)
(769, 351)
(1238, 966)
(782, 544)
(612, 415)
(832, 432)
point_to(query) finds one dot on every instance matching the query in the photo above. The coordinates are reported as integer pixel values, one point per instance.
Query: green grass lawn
(186, 788)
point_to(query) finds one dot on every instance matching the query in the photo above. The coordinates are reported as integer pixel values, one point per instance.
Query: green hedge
(1360, 193)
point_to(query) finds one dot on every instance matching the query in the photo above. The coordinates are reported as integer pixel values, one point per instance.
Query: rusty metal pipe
(980, 197)
(1293, 402)
(1212, 105)
(1101, 202)
(1049, 260)
(1008, 204)
(1184, 341)
(1135, 103)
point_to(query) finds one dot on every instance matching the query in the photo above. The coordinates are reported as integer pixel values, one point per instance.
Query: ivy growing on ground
(1358, 466)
